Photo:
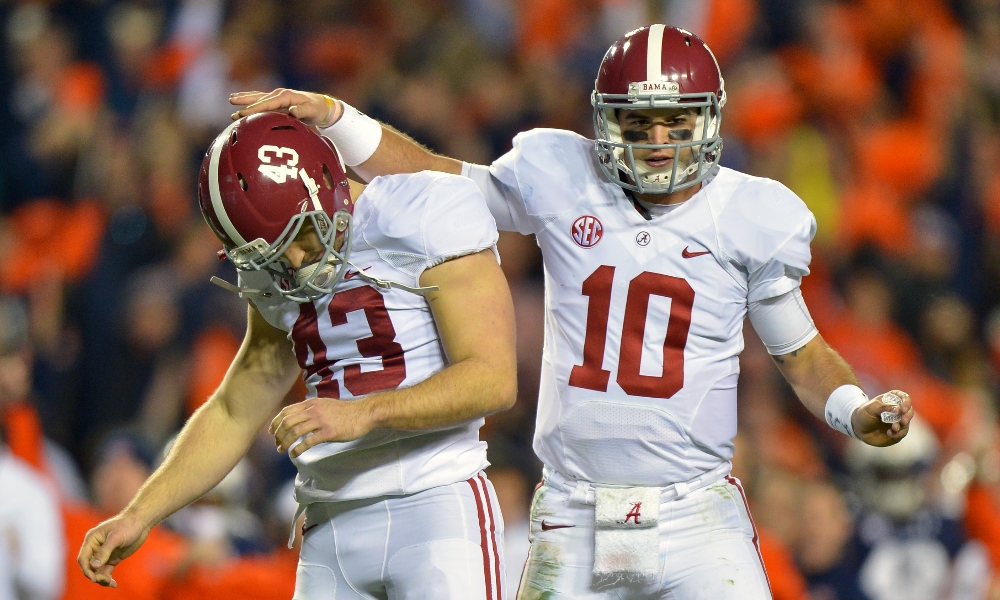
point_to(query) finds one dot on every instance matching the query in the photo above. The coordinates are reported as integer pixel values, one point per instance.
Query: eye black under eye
(680, 135)
(633, 135)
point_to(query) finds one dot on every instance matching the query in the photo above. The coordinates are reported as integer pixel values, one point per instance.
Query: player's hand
(310, 108)
(108, 544)
(868, 424)
(320, 420)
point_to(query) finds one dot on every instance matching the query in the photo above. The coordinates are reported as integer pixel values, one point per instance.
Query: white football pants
(707, 550)
(444, 543)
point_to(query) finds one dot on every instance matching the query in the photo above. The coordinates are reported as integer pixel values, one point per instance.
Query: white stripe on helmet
(654, 53)
(213, 187)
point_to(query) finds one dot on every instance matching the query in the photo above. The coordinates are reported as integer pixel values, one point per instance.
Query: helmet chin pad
(319, 274)
(659, 178)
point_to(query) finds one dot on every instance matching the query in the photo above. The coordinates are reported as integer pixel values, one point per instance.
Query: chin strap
(242, 292)
(381, 284)
(384, 284)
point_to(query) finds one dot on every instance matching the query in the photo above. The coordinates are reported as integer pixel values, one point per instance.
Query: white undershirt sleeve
(782, 322)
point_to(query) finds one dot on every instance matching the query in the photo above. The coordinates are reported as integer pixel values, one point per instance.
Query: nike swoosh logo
(688, 254)
(548, 526)
(352, 274)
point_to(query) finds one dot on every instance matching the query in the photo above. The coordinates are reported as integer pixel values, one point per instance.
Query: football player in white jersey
(654, 254)
(392, 304)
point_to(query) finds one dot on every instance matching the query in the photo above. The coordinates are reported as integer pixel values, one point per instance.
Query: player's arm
(395, 153)
(475, 320)
(372, 149)
(820, 377)
(207, 448)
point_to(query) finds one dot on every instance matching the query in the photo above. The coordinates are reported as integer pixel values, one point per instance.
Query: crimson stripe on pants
(756, 536)
(483, 543)
(493, 535)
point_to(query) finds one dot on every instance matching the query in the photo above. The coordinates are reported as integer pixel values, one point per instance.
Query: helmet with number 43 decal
(262, 180)
(658, 67)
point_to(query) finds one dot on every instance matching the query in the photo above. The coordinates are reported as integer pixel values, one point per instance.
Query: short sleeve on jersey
(771, 239)
(419, 221)
(785, 270)
(542, 176)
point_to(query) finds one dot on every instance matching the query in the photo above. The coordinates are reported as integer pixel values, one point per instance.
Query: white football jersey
(644, 319)
(361, 339)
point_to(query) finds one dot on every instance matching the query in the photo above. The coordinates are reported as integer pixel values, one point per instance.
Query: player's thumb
(103, 554)
(310, 113)
(873, 408)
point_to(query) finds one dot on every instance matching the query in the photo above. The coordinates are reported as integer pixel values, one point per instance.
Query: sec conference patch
(587, 231)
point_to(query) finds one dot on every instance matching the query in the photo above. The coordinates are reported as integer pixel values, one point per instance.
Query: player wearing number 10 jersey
(654, 254)
(391, 301)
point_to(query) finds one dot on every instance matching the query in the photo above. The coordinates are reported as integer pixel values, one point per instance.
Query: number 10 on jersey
(592, 375)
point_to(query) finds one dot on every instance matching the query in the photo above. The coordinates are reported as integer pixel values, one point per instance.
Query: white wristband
(355, 134)
(841, 405)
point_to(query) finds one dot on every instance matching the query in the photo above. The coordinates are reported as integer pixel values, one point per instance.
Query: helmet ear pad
(658, 67)
(261, 180)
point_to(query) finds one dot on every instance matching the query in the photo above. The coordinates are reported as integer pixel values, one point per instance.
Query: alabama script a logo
(587, 231)
(634, 513)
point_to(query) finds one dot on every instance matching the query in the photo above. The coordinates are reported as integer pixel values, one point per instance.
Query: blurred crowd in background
(883, 115)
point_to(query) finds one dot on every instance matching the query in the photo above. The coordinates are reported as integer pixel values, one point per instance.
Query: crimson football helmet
(264, 178)
(658, 67)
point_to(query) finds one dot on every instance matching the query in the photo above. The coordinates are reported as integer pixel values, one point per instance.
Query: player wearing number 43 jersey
(654, 254)
(391, 303)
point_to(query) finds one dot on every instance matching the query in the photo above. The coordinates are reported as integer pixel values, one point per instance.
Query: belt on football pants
(583, 491)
